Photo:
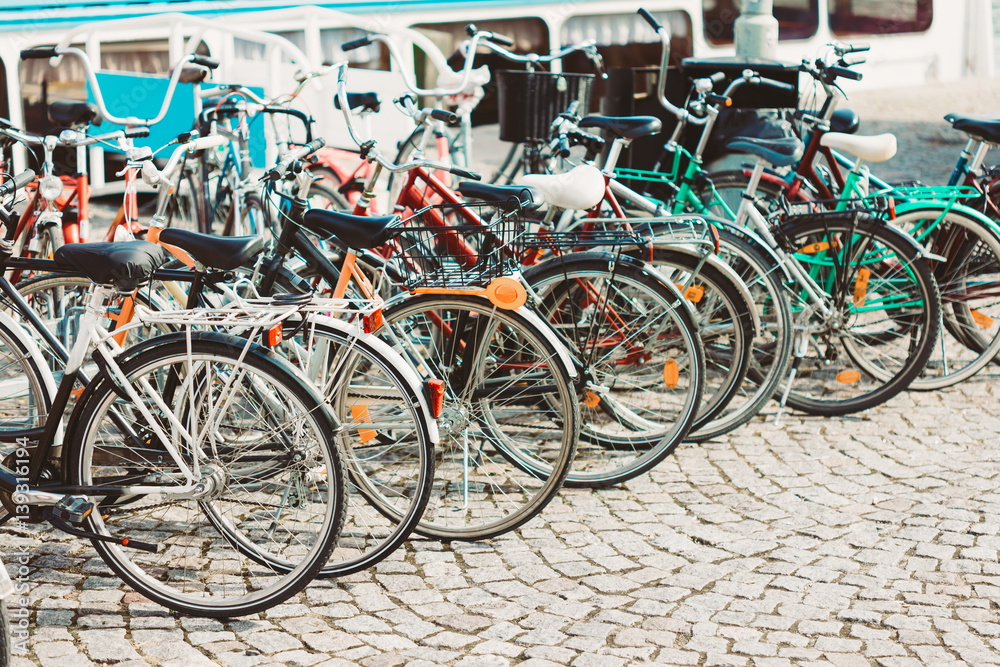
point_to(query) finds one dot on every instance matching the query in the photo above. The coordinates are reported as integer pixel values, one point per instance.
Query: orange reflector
(592, 400)
(694, 293)
(435, 396)
(814, 248)
(671, 374)
(892, 208)
(848, 377)
(373, 321)
(985, 321)
(124, 541)
(861, 286)
(274, 335)
(359, 411)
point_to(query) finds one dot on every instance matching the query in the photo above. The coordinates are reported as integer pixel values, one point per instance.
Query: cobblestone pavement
(869, 540)
(854, 541)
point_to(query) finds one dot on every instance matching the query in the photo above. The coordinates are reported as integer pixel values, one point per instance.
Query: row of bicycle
(459, 365)
(218, 477)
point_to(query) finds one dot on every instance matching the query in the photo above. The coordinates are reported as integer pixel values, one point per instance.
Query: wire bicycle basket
(444, 247)
(530, 101)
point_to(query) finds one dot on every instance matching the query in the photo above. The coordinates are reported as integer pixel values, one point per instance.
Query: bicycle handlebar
(369, 151)
(278, 170)
(844, 73)
(37, 53)
(205, 61)
(131, 121)
(653, 23)
(18, 182)
(471, 30)
(355, 44)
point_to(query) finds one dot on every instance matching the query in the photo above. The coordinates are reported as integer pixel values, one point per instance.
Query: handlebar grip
(445, 116)
(20, 180)
(858, 48)
(844, 73)
(137, 132)
(502, 40)
(720, 100)
(787, 87)
(278, 170)
(653, 23)
(44, 52)
(205, 61)
(471, 175)
(562, 147)
(356, 44)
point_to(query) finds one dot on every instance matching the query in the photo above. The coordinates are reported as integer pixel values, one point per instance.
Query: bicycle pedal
(73, 509)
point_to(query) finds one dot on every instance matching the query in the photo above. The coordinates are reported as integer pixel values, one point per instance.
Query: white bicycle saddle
(579, 189)
(876, 148)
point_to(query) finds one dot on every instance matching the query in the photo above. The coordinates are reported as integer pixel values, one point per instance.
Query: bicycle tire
(724, 320)
(211, 547)
(383, 436)
(59, 300)
(6, 640)
(870, 349)
(772, 344)
(968, 279)
(642, 363)
(503, 375)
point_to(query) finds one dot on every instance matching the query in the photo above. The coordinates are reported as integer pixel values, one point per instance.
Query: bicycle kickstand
(801, 348)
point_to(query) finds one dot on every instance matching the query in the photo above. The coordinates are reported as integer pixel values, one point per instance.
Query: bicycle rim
(275, 502)
(510, 420)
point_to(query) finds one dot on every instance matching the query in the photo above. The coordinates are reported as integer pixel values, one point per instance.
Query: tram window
(149, 56)
(797, 19)
(530, 35)
(624, 41)
(879, 17)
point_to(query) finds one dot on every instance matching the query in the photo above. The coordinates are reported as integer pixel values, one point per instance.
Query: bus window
(879, 17)
(797, 19)
(625, 41)
(530, 35)
(41, 83)
(149, 56)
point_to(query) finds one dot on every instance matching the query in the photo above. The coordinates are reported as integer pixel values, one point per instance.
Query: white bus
(263, 42)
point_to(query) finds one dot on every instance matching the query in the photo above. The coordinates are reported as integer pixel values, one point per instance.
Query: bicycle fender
(751, 237)
(48, 382)
(968, 211)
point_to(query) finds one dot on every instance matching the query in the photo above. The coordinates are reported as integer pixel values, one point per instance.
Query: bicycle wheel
(383, 435)
(6, 640)
(724, 318)
(509, 406)
(59, 300)
(728, 187)
(269, 500)
(182, 211)
(969, 280)
(25, 396)
(883, 320)
(772, 343)
(642, 363)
